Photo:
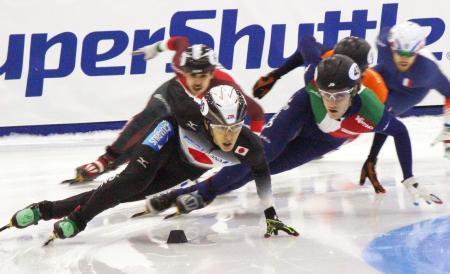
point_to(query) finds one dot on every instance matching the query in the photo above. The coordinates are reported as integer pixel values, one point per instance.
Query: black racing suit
(159, 166)
(138, 127)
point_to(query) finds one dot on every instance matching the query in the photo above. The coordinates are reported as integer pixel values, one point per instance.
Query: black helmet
(356, 48)
(223, 105)
(337, 72)
(198, 59)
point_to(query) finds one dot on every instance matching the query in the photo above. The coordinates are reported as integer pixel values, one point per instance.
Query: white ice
(335, 216)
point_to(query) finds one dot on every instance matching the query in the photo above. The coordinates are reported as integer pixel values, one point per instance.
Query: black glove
(189, 202)
(264, 85)
(274, 224)
(161, 202)
(368, 171)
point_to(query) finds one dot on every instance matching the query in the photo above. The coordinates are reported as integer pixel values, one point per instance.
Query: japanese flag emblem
(241, 150)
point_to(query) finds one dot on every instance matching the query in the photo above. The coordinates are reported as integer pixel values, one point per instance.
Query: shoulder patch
(241, 150)
(159, 136)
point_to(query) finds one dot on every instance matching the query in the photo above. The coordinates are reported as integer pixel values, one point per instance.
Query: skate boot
(444, 137)
(65, 228)
(90, 171)
(26, 217)
(30, 215)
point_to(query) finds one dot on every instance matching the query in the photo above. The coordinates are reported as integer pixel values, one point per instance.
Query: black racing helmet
(356, 48)
(198, 58)
(337, 72)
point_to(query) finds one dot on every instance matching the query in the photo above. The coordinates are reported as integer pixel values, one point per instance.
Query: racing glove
(274, 224)
(264, 85)
(150, 51)
(418, 192)
(368, 172)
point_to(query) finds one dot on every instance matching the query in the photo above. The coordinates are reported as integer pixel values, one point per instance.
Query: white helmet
(407, 37)
(223, 105)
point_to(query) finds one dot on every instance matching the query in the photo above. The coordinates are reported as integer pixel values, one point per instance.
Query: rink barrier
(47, 69)
(114, 125)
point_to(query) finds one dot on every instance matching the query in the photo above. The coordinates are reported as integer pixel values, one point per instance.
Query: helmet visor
(197, 69)
(405, 53)
(337, 96)
(222, 129)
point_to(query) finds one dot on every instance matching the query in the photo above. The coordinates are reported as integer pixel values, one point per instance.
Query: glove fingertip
(380, 190)
(436, 199)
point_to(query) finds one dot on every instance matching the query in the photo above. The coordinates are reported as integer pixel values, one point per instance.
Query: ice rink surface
(344, 228)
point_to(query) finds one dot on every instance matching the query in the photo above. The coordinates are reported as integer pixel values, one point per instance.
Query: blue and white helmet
(407, 37)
